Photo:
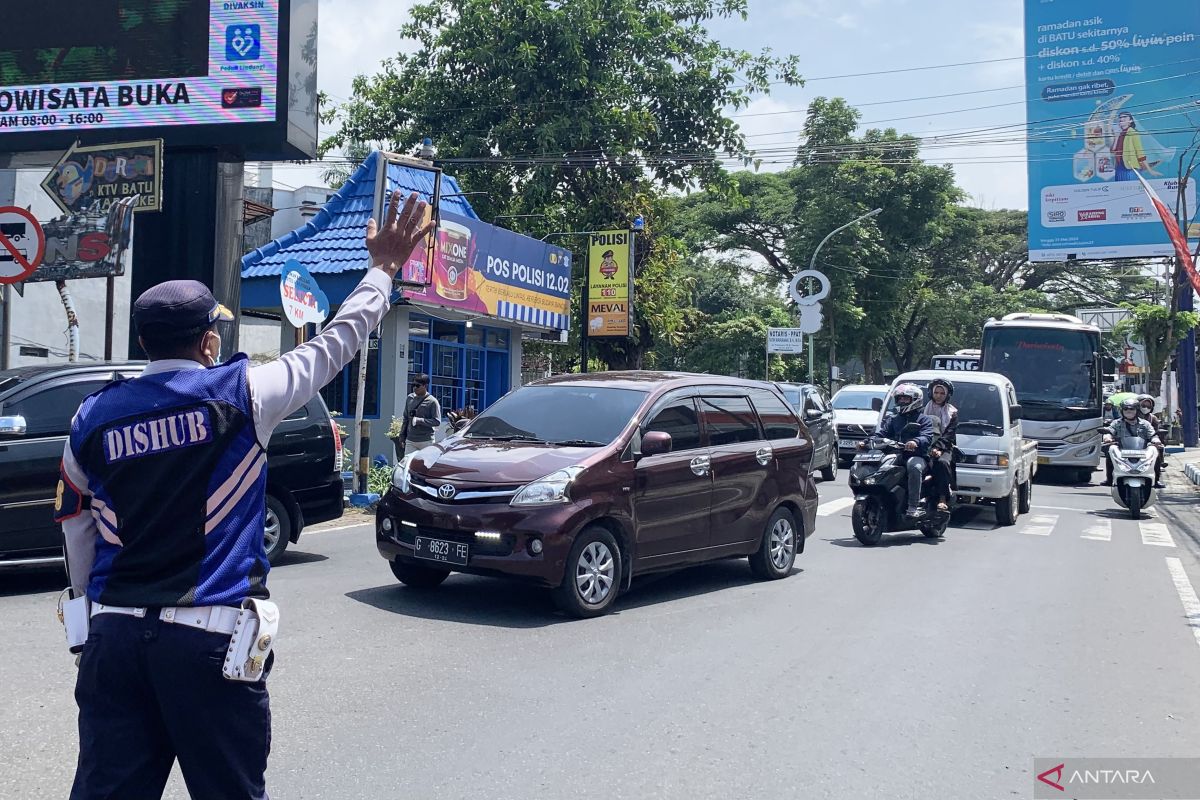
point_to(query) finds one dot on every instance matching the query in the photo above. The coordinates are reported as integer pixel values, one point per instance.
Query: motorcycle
(879, 480)
(1133, 474)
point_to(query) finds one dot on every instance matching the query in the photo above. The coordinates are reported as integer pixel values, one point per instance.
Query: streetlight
(812, 265)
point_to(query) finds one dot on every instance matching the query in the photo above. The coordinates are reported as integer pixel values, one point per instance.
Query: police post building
(488, 288)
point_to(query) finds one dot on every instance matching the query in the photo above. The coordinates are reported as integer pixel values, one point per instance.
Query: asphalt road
(917, 669)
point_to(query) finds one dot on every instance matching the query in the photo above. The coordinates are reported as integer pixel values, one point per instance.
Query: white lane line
(1040, 524)
(1156, 533)
(310, 531)
(834, 506)
(1098, 531)
(1187, 595)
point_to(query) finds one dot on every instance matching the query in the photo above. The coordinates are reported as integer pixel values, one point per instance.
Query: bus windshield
(1051, 369)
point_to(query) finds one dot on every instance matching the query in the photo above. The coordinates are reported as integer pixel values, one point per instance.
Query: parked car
(581, 482)
(304, 482)
(856, 408)
(998, 463)
(812, 405)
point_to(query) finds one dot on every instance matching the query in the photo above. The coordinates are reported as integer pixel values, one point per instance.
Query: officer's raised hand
(391, 245)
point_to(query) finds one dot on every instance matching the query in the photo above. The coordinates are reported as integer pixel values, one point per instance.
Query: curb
(1192, 472)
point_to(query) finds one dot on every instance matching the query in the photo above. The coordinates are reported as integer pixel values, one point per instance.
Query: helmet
(912, 391)
(941, 382)
(1145, 398)
(1130, 404)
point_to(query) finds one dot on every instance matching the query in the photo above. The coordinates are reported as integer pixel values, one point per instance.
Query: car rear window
(729, 420)
(559, 413)
(777, 419)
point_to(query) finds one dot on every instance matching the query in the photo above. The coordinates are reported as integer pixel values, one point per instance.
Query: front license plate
(1043, 460)
(845, 443)
(442, 550)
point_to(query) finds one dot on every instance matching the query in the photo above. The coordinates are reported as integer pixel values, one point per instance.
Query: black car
(304, 481)
(813, 407)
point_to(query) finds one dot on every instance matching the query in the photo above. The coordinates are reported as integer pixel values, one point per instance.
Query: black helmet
(1131, 404)
(941, 382)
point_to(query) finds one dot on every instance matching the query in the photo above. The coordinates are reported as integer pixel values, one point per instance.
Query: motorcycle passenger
(1146, 405)
(941, 452)
(908, 399)
(1130, 424)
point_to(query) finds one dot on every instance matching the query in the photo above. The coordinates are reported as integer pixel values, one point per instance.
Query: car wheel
(829, 471)
(1025, 502)
(1006, 509)
(593, 574)
(777, 552)
(277, 529)
(418, 576)
(1085, 476)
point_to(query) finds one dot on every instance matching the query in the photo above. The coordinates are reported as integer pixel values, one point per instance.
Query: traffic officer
(162, 506)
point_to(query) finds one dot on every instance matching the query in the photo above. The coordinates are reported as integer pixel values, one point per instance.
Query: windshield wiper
(982, 423)
(578, 443)
(515, 437)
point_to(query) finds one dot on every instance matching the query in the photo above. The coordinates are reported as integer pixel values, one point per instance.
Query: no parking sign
(22, 244)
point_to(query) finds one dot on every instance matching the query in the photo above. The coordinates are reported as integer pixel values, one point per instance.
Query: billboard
(480, 268)
(85, 70)
(1109, 87)
(609, 283)
(106, 174)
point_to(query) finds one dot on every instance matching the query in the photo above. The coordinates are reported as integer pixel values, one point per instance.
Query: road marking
(1156, 533)
(834, 506)
(1187, 595)
(1098, 531)
(1040, 524)
(310, 531)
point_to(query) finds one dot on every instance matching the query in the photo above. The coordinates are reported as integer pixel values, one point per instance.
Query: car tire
(1025, 501)
(277, 529)
(830, 470)
(1085, 476)
(592, 578)
(418, 576)
(777, 552)
(1007, 509)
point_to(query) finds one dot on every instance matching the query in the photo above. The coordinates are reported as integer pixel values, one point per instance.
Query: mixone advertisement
(481, 268)
(68, 65)
(1111, 90)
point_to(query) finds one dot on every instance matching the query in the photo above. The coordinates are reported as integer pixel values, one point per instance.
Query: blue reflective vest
(178, 482)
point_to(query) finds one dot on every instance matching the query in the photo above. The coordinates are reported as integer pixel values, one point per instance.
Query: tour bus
(961, 361)
(1053, 361)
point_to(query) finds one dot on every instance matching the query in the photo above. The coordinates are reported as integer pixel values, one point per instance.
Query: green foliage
(1159, 329)
(379, 480)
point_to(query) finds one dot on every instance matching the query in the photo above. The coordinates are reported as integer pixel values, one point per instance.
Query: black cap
(176, 309)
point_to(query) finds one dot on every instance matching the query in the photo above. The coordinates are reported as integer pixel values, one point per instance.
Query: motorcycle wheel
(1135, 503)
(938, 529)
(868, 520)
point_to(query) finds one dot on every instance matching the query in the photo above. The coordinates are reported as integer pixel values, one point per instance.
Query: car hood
(868, 419)
(489, 462)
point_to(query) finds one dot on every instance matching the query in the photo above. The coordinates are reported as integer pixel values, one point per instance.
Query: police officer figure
(163, 500)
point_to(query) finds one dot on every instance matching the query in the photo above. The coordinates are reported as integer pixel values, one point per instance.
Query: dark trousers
(943, 476)
(150, 692)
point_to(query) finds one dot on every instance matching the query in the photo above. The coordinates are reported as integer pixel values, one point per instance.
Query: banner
(1109, 86)
(93, 178)
(609, 283)
(785, 340)
(494, 272)
(90, 244)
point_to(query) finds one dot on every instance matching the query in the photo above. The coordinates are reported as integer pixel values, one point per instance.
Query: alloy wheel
(271, 531)
(783, 542)
(594, 573)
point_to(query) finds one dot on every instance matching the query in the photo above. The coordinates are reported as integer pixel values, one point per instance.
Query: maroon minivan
(580, 482)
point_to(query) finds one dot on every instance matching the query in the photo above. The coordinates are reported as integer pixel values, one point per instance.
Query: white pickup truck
(997, 463)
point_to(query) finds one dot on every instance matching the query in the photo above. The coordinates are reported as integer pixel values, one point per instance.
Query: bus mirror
(1014, 413)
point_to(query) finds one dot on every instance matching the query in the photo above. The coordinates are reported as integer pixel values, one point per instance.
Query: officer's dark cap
(177, 309)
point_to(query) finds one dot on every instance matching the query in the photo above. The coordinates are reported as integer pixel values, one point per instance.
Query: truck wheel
(1006, 509)
(1025, 501)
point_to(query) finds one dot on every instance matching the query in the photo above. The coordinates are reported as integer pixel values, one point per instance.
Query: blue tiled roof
(332, 241)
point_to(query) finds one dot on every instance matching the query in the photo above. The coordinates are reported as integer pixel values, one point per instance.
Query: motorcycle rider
(941, 452)
(1129, 425)
(1146, 411)
(909, 410)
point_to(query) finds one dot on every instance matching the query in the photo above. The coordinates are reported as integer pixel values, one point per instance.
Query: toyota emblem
(446, 491)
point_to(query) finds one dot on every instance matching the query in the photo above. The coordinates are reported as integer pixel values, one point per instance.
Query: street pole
(812, 265)
(1185, 365)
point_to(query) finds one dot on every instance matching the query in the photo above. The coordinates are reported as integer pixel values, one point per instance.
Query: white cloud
(355, 35)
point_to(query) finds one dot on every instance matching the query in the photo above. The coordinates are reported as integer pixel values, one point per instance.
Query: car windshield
(1051, 369)
(581, 415)
(792, 394)
(980, 408)
(857, 400)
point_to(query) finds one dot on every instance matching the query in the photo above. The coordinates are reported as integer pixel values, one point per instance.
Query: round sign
(22, 244)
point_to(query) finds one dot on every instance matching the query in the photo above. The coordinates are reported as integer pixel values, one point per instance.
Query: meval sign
(785, 340)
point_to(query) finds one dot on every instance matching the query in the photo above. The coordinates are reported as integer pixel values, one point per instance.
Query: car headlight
(1081, 438)
(547, 490)
(992, 459)
(400, 474)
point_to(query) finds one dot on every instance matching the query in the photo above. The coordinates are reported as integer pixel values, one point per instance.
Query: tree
(1159, 329)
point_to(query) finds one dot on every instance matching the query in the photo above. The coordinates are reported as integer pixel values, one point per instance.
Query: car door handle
(764, 455)
(701, 465)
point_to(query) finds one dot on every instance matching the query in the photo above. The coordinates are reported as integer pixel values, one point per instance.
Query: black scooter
(879, 480)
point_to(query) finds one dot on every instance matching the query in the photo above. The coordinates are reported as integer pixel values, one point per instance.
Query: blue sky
(832, 37)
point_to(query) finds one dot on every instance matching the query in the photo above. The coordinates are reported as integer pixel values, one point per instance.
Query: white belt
(215, 619)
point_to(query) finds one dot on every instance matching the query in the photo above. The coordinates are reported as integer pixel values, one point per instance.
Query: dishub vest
(178, 482)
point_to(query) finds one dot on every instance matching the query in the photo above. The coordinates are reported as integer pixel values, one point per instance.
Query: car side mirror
(877, 404)
(656, 443)
(813, 414)
(1015, 412)
(12, 426)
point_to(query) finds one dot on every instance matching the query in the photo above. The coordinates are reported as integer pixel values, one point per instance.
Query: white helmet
(915, 395)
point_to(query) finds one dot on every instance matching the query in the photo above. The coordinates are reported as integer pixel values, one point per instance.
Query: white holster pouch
(75, 616)
(252, 640)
